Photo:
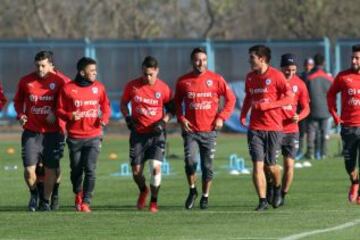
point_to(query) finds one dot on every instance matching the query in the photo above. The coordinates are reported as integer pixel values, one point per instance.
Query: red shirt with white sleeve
(200, 95)
(36, 98)
(91, 104)
(147, 102)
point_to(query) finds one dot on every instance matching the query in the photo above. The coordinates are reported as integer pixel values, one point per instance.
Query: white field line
(309, 233)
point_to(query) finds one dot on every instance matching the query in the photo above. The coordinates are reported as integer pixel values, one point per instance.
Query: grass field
(316, 207)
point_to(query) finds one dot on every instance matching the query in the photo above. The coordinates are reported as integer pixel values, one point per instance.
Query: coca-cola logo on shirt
(205, 105)
(44, 110)
(146, 111)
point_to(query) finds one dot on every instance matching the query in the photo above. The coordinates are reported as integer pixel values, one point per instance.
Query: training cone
(113, 156)
(10, 150)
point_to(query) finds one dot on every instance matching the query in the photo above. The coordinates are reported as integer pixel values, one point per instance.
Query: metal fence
(120, 61)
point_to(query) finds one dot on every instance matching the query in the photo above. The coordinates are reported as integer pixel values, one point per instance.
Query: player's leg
(76, 170)
(137, 150)
(311, 137)
(53, 145)
(207, 147)
(256, 147)
(31, 149)
(302, 131)
(55, 192)
(323, 126)
(190, 150)
(272, 149)
(289, 149)
(350, 140)
(155, 155)
(89, 156)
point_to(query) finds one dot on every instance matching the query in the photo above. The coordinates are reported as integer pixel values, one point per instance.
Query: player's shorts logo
(209, 82)
(158, 95)
(52, 86)
(268, 81)
(295, 88)
(95, 90)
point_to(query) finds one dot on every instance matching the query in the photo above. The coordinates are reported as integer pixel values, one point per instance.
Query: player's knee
(190, 169)
(155, 172)
(207, 174)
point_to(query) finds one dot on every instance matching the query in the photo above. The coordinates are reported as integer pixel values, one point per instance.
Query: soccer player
(266, 91)
(85, 107)
(308, 66)
(197, 101)
(318, 83)
(348, 84)
(290, 141)
(35, 104)
(54, 192)
(149, 97)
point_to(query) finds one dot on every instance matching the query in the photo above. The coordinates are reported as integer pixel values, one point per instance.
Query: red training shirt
(91, 102)
(348, 84)
(36, 98)
(272, 89)
(200, 94)
(301, 98)
(3, 99)
(147, 102)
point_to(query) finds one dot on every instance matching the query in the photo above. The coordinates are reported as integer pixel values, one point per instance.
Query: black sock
(34, 191)
(283, 194)
(193, 190)
(143, 188)
(46, 201)
(56, 189)
(262, 200)
(153, 199)
(204, 197)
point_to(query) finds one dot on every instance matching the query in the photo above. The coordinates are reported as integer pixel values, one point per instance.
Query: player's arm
(105, 108)
(304, 105)
(247, 102)
(3, 99)
(19, 102)
(228, 106)
(331, 100)
(62, 111)
(178, 99)
(125, 99)
(287, 96)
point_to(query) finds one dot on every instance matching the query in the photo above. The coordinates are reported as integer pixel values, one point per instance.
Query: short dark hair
(196, 51)
(319, 59)
(150, 62)
(261, 51)
(356, 48)
(42, 55)
(84, 62)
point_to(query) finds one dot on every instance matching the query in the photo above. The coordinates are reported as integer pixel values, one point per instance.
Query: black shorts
(351, 143)
(290, 145)
(45, 147)
(146, 146)
(264, 145)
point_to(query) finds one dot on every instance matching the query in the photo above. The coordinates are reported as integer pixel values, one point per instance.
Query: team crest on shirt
(209, 82)
(95, 90)
(268, 81)
(158, 95)
(295, 88)
(52, 86)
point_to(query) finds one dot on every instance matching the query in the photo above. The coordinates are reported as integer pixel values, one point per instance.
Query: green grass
(317, 201)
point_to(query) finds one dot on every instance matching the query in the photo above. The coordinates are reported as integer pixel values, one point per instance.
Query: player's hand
(338, 121)
(130, 123)
(159, 126)
(76, 116)
(243, 121)
(51, 118)
(23, 120)
(295, 118)
(186, 126)
(219, 123)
